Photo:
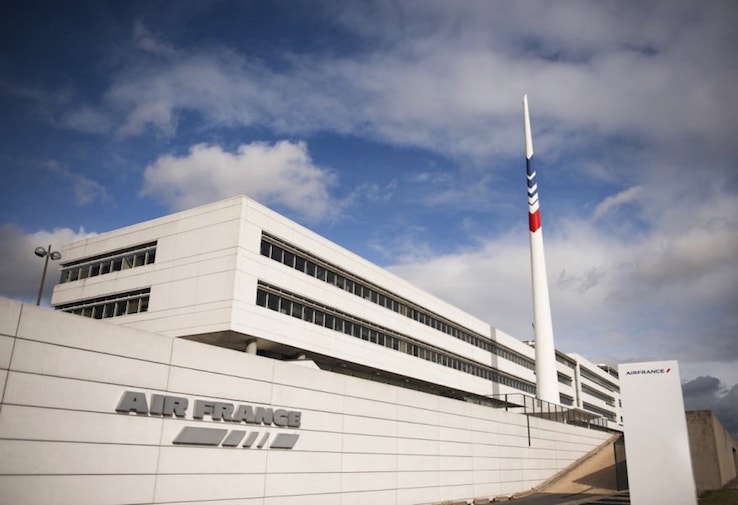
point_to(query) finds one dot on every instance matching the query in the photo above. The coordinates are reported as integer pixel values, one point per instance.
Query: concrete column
(251, 346)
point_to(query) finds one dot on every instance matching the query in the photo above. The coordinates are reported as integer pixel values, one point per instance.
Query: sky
(394, 128)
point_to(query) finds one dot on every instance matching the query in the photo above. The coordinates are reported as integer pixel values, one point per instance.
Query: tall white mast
(547, 384)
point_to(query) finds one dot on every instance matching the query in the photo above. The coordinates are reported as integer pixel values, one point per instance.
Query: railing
(533, 407)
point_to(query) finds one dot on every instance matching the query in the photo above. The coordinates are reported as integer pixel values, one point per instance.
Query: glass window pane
(277, 253)
(310, 268)
(285, 307)
(261, 297)
(299, 263)
(338, 324)
(273, 301)
(265, 248)
(289, 259)
(150, 256)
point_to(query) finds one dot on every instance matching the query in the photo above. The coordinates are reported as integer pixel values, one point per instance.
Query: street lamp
(49, 254)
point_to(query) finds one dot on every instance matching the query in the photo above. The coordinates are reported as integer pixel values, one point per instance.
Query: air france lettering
(177, 406)
(648, 372)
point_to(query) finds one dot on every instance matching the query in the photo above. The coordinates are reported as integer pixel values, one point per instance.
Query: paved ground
(591, 482)
(621, 498)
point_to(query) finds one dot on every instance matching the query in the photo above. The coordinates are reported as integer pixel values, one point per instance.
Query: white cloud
(425, 83)
(615, 297)
(612, 202)
(280, 174)
(86, 190)
(20, 270)
(708, 393)
(145, 40)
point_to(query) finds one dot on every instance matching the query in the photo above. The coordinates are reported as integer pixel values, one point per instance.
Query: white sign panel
(656, 439)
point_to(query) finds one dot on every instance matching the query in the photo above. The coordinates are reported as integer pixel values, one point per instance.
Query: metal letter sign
(161, 405)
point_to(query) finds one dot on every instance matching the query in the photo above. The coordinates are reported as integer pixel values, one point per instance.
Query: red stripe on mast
(534, 220)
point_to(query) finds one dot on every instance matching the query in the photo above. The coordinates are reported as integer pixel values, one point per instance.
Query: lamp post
(48, 254)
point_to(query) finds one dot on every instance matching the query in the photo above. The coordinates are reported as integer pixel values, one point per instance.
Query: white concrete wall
(360, 442)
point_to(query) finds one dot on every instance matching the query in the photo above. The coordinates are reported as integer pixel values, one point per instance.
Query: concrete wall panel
(352, 462)
(194, 487)
(23, 457)
(187, 460)
(359, 442)
(83, 489)
(10, 312)
(6, 350)
(32, 423)
(44, 359)
(215, 385)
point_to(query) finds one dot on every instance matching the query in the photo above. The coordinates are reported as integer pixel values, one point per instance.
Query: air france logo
(166, 406)
(647, 371)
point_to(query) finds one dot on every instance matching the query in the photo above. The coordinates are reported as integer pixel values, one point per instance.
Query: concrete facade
(714, 451)
(358, 442)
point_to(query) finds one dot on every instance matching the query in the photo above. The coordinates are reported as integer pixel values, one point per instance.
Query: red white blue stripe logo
(534, 213)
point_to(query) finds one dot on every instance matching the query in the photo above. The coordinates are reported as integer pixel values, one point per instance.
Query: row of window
(564, 379)
(593, 392)
(301, 308)
(120, 304)
(564, 360)
(587, 374)
(113, 261)
(597, 410)
(566, 400)
(291, 256)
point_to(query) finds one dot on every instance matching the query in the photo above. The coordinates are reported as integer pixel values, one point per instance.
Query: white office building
(235, 328)
(238, 275)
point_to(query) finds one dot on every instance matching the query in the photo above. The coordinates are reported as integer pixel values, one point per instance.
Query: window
(281, 301)
(315, 267)
(114, 261)
(120, 304)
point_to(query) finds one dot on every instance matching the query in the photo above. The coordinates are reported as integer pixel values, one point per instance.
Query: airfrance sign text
(648, 371)
(164, 405)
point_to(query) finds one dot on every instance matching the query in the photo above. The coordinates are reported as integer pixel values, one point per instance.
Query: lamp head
(40, 252)
(56, 255)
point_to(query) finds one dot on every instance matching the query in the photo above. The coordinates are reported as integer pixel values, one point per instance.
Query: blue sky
(395, 130)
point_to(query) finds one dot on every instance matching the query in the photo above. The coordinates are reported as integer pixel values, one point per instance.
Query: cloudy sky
(394, 128)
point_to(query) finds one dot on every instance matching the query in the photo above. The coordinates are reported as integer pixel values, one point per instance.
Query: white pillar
(251, 346)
